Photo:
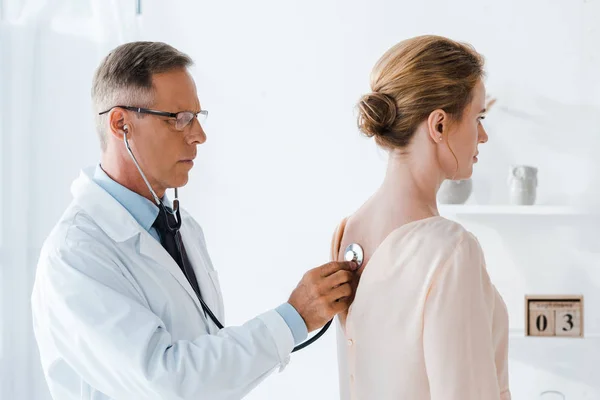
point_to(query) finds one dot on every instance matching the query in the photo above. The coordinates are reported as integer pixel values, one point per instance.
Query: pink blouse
(426, 322)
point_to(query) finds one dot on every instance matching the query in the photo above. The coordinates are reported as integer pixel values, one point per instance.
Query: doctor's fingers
(338, 278)
(341, 305)
(341, 292)
(341, 300)
(335, 266)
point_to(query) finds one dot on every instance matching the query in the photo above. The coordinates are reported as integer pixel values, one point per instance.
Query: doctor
(117, 301)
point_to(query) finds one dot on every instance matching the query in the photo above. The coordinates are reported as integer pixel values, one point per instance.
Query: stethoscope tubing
(353, 252)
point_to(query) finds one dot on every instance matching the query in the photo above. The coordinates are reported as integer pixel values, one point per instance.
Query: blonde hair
(414, 78)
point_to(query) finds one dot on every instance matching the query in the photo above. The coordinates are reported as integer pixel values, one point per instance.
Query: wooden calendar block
(541, 323)
(568, 322)
(558, 315)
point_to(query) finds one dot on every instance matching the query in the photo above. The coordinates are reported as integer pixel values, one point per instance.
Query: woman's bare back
(371, 224)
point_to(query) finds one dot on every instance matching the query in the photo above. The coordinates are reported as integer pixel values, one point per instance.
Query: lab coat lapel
(106, 210)
(152, 249)
(209, 287)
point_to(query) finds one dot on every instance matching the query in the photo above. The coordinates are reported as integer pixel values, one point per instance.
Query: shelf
(566, 365)
(574, 358)
(518, 334)
(508, 210)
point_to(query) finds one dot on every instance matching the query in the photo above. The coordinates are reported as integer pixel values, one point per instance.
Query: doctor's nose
(196, 135)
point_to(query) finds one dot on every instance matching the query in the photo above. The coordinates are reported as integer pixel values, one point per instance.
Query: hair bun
(377, 114)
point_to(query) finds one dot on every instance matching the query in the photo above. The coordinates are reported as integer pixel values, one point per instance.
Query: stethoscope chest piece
(354, 253)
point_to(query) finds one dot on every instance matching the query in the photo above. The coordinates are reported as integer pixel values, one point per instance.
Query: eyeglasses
(182, 119)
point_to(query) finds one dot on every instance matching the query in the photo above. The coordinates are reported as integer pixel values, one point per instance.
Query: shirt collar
(143, 210)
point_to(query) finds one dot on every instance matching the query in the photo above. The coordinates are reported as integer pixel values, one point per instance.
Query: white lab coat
(115, 318)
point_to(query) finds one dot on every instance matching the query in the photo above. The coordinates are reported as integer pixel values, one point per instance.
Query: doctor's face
(164, 150)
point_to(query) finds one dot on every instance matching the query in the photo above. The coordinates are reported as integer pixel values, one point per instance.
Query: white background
(284, 162)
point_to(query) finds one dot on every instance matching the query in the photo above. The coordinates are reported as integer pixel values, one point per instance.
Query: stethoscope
(353, 252)
(158, 202)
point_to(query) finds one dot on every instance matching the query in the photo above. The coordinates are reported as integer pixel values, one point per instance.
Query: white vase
(522, 195)
(455, 192)
(522, 185)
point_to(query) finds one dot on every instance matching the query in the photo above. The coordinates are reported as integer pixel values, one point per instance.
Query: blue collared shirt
(145, 212)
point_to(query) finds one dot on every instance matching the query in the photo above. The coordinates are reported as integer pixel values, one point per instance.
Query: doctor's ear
(118, 124)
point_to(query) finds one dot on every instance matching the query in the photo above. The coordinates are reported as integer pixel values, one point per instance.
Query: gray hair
(124, 78)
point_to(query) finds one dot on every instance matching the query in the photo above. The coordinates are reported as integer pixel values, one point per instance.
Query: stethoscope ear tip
(354, 252)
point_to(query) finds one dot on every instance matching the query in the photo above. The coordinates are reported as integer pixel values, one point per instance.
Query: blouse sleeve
(457, 328)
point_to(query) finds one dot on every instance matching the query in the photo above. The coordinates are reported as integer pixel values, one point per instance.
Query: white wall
(284, 162)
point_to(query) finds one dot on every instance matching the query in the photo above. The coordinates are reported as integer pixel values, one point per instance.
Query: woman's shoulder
(435, 236)
(436, 228)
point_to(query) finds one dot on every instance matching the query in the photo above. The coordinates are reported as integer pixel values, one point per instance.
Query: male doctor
(118, 298)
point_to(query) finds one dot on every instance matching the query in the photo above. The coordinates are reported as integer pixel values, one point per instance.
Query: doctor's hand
(324, 292)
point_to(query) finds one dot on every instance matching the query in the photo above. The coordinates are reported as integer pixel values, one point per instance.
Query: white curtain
(48, 52)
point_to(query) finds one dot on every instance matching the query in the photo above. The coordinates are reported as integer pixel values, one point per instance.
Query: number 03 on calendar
(554, 316)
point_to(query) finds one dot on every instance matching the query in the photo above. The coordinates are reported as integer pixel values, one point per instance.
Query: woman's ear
(436, 124)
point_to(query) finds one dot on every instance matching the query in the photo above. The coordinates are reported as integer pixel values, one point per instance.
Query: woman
(426, 322)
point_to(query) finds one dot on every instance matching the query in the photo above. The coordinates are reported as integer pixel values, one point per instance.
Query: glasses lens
(202, 116)
(183, 119)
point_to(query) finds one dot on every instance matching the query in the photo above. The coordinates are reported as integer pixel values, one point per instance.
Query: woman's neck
(410, 186)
